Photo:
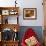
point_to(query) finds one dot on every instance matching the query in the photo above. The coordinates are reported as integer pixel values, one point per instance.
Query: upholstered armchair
(30, 38)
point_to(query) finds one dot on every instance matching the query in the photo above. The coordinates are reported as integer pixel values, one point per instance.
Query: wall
(26, 4)
(32, 4)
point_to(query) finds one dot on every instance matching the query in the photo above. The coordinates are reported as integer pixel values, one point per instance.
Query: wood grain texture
(11, 26)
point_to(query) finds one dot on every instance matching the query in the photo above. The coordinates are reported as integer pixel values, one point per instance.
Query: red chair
(29, 33)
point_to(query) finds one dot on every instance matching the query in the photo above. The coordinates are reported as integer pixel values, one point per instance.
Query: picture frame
(30, 13)
(5, 12)
(13, 12)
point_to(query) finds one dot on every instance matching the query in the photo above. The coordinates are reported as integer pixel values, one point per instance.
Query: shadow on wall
(37, 29)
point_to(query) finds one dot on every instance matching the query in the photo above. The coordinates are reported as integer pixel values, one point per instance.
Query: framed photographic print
(30, 13)
(13, 12)
(5, 12)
